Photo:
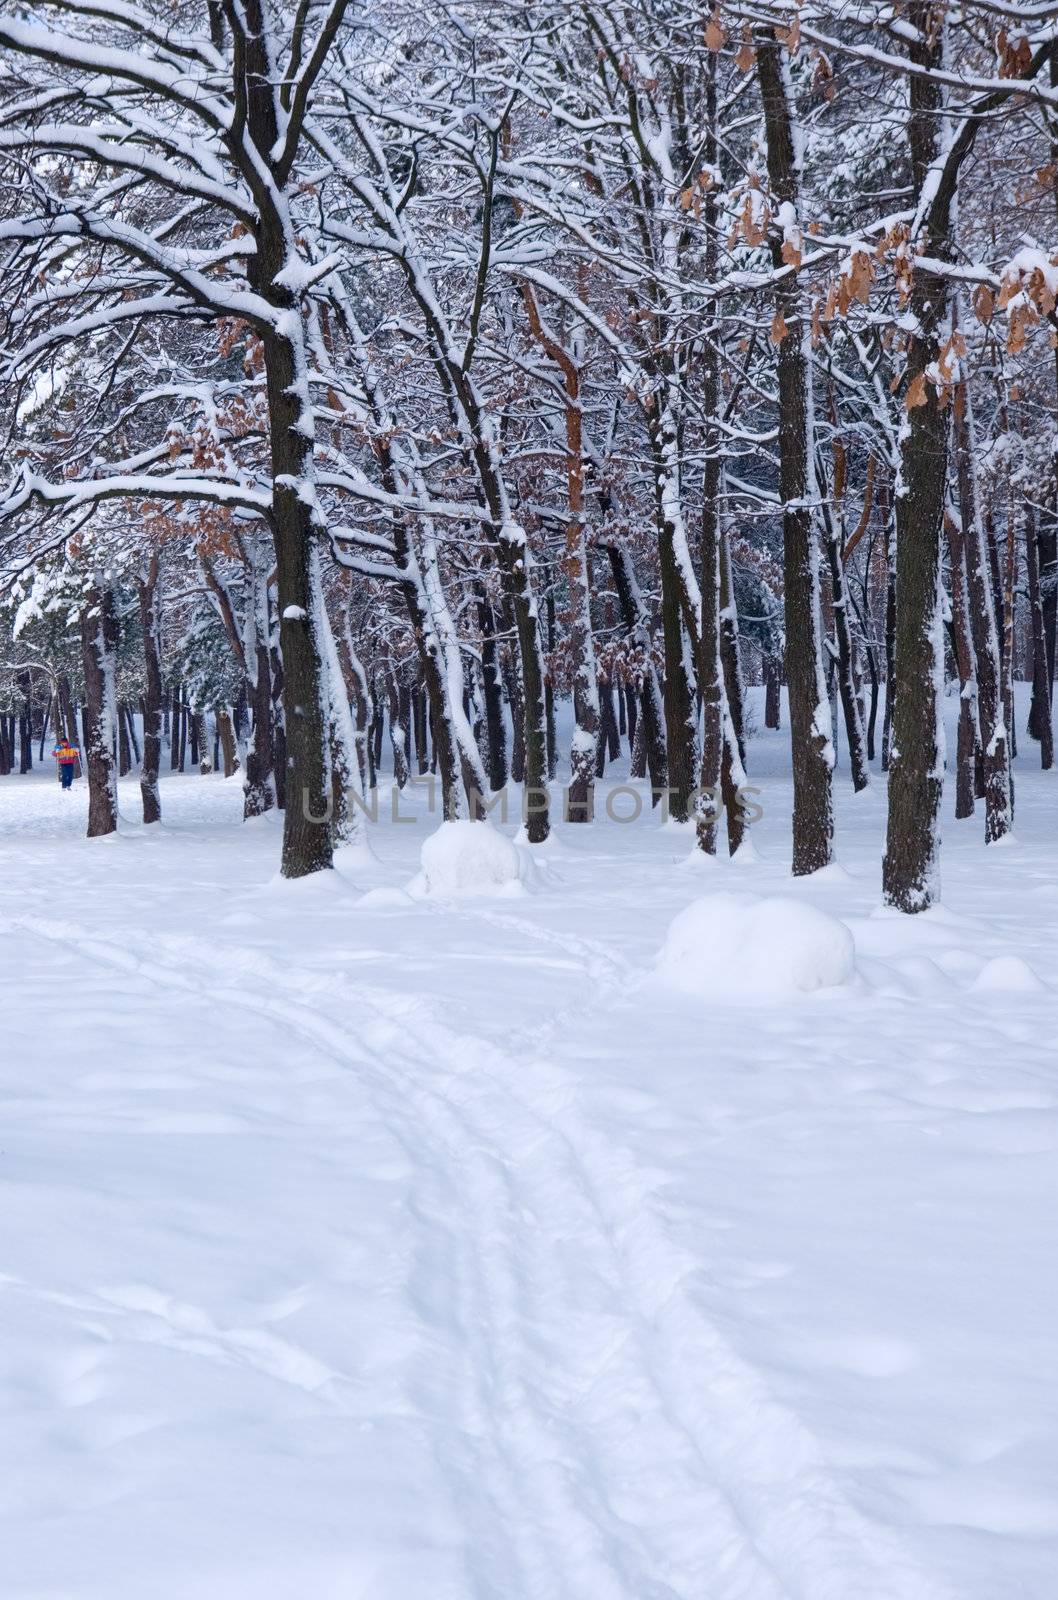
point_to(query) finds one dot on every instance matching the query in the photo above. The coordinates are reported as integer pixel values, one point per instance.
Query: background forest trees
(367, 366)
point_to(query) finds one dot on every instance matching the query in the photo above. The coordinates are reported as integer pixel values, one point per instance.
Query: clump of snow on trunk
(742, 947)
(468, 858)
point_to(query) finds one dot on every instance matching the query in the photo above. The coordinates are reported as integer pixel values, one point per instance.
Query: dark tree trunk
(239, 713)
(678, 691)
(811, 747)
(398, 733)
(66, 720)
(205, 762)
(711, 684)
(174, 728)
(304, 775)
(910, 875)
(44, 727)
(890, 637)
(124, 748)
(420, 720)
(514, 695)
(772, 691)
(631, 704)
(130, 722)
(492, 688)
(98, 647)
(259, 788)
(844, 665)
(25, 724)
(228, 744)
(995, 757)
(609, 740)
(731, 650)
(1041, 686)
(1048, 544)
(377, 728)
(966, 747)
(648, 734)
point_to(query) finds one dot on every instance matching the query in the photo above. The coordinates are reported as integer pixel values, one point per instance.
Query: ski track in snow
(731, 1496)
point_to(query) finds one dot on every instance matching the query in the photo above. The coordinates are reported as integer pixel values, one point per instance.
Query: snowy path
(403, 1249)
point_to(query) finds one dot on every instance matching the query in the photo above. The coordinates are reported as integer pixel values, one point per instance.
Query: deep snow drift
(360, 1246)
(737, 945)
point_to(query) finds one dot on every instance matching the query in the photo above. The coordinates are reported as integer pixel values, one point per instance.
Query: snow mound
(468, 858)
(1008, 972)
(742, 947)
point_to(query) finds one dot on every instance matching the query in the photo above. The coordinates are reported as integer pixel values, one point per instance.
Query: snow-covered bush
(741, 947)
(468, 858)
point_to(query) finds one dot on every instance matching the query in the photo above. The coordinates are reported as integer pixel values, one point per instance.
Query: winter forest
(528, 832)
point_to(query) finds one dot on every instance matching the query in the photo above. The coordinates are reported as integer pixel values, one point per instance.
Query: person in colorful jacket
(66, 754)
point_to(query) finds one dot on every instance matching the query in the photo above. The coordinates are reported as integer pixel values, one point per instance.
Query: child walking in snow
(67, 756)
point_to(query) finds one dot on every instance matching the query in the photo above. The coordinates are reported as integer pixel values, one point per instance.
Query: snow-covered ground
(361, 1244)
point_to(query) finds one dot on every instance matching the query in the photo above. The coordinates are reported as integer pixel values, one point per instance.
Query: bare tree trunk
(1041, 687)
(66, 720)
(609, 744)
(398, 733)
(25, 730)
(492, 685)
(514, 695)
(772, 691)
(995, 750)
(202, 753)
(731, 649)
(910, 870)
(419, 722)
(710, 663)
(377, 729)
(586, 710)
(890, 622)
(98, 647)
(124, 749)
(130, 722)
(259, 783)
(631, 705)
(228, 745)
(839, 596)
(966, 751)
(678, 689)
(304, 774)
(811, 747)
(648, 740)
(1010, 573)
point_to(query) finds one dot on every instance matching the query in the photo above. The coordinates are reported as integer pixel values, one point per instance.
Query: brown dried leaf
(715, 33)
(1040, 291)
(1008, 289)
(791, 36)
(916, 392)
(983, 303)
(779, 330)
(1017, 328)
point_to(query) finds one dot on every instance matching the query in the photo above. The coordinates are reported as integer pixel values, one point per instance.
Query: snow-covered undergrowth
(357, 1245)
(740, 946)
(468, 858)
